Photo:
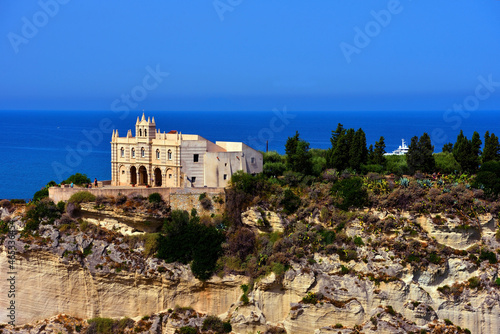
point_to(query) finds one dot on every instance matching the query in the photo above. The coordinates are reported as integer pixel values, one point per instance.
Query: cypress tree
(447, 148)
(298, 156)
(413, 157)
(467, 152)
(491, 148)
(378, 152)
(427, 149)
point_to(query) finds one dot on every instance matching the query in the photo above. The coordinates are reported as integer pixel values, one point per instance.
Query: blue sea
(38, 147)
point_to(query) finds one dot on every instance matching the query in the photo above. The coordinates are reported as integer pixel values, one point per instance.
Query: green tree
(419, 156)
(339, 153)
(447, 148)
(378, 153)
(491, 149)
(358, 154)
(297, 155)
(185, 240)
(467, 152)
(78, 179)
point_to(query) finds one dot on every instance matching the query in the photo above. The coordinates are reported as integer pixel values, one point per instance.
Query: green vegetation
(40, 212)
(81, 197)
(419, 157)
(109, 326)
(350, 193)
(155, 198)
(77, 179)
(185, 240)
(214, 324)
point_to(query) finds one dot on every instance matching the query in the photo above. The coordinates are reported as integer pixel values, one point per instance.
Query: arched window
(169, 155)
(122, 152)
(133, 153)
(140, 132)
(143, 152)
(158, 154)
(145, 132)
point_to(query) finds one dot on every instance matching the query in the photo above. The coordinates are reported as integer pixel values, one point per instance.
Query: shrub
(186, 240)
(434, 258)
(497, 281)
(389, 309)
(121, 199)
(151, 244)
(202, 196)
(17, 201)
(61, 206)
(448, 322)
(278, 268)
(4, 227)
(41, 194)
(242, 242)
(446, 163)
(474, 282)
(155, 198)
(186, 330)
(339, 326)
(81, 197)
(350, 193)
(310, 298)
(358, 241)
(78, 179)
(206, 203)
(213, 323)
(44, 211)
(290, 202)
(101, 325)
(487, 255)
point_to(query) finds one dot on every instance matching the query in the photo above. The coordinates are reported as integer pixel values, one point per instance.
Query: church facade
(174, 159)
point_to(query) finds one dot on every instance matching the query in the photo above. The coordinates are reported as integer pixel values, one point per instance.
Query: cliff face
(47, 287)
(356, 293)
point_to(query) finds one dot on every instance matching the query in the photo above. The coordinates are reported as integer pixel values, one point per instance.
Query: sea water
(40, 146)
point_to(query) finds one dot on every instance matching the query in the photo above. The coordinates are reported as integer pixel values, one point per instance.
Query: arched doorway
(170, 178)
(122, 176)
(133, 175)
(143, 175)
(158, 177)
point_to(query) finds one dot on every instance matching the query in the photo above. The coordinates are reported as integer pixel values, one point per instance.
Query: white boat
(402, 149)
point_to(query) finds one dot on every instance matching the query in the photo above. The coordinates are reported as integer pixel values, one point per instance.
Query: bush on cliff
(81, 197)
(41, 212)
(78, 179)
(185, 240)
(155, 198)
(350, 193)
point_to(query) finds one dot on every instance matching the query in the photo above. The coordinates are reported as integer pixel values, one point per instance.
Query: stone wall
(179, 198)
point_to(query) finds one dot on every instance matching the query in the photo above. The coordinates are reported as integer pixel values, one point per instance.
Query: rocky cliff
(103, 274)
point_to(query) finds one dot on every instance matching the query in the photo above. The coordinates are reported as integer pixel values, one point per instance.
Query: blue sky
(248, 55)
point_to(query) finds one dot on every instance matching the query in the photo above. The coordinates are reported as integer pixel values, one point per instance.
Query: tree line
(349, 151)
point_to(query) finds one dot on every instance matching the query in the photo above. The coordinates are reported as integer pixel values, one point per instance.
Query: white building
(177, 160)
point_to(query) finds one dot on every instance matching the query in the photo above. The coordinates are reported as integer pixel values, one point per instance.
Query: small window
(145, 132)
(252, 160)
(225, 176)
(143, 152)
(140, 132)
(122, 152)
(193, 179)
(158, 154)
(196, 157)
(169, 176)
(123, 172)
(169, 155)
(133, 153)
(225, 164)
